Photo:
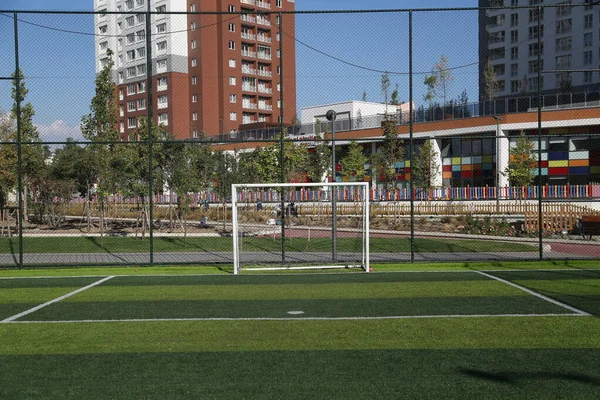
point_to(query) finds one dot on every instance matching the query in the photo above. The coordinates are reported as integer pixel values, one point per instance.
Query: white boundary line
(87, 321)
(536, 294)
(19, 315)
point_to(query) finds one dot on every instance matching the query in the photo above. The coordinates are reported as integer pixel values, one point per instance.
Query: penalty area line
(536, 294)
(88, 321)
(56, 300)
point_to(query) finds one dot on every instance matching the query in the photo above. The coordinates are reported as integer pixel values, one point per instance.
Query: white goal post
(293, 226)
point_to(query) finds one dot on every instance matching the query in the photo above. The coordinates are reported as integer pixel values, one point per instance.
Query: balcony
(263, 21)
(266, 107)
(264, 89)
(265, 73)
(248, 88)
(248, 36)
(248, 18)
(251, 2)
(248, 70)
(263, 4)
(249, 105)
(248, 53)
(263, 38)
(263, 56)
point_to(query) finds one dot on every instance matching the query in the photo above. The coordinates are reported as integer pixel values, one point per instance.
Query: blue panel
(558, 155)
(456, 167)
(488, 166)
(456, 175)
(579, 170)
(544, 171)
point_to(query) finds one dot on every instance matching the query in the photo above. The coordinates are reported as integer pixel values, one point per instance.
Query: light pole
(331, 115)
(497, 174)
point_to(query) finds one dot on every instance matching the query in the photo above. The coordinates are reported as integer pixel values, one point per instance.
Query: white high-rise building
(568, 33)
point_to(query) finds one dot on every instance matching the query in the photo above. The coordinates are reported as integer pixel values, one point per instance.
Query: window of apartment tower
(194, 98)
(162, 8)
(278, 3)
(194, 116)
(194, 62)
(194, 80)
(588, 21)
(193, 26)
(232, 116)
(231, 27)
(231, 45)
(231, 8)
(232, 62)
(193, 44)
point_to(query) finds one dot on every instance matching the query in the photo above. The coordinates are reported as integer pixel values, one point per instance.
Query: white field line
(56, 300)
(536, 294)
(87, 321)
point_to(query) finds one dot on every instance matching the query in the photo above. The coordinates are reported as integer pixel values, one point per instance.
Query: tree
(320, 161)
(424, 166)
(353, 163)
(443, 76)
(99, 126)
(522, 162)
(31, 147)
(385, 87)
(395, 96)
(490, 82)
(364, 95)
(383, 163)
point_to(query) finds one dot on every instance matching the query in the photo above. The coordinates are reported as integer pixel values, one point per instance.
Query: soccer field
(436, 334)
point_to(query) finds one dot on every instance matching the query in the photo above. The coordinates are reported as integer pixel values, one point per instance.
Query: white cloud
(59, 131)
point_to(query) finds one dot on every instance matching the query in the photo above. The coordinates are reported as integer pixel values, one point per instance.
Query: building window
(231, 8)
(161, 46)
(195, 134)
(161, 83)
(588, 21)
(563, 26)
(163, 101)
(194, 116)
(194, 98)
(130, 21)
(587, 76)
(514, 69)
(193, 26)
(194, 62)
(231, 45)
(534, 49)
(130, 55)
(564, 9)
(193, 44)
(131, 105)
(141, 104)
(130, 38)
(141, 87)
(514, 36)
(232, 98)
(103, 29)
(141, 69)
(141, 52)
(131, 122)
(232, 116)
(587, 39)
(514, 53)
(587, 57)
(161, 9)
(232, 62)
(232, 81)
(563, 44)
(131, 72)
(563, 62)
(140, 35)
(535, 32)
(193, 8)
(231, 27)
(128, 5)
(535, 13)
(278, 3)
(161, 65)
(163, 118)
(194, 80)
(533, 66)
(161, 28)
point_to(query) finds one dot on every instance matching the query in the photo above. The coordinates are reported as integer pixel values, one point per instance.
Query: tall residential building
(508, 38)
(215, 68)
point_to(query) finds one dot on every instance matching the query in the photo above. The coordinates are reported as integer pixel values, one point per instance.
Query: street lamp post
(331, 115)
(497, 174)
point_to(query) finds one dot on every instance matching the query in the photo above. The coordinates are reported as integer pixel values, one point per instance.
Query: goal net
(300, 226)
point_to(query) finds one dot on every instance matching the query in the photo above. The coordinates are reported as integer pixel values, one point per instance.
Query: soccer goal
(300, 226)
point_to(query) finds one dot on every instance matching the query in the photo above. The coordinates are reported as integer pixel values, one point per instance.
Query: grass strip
(92, 244)
(298, 291)
(364, 374)
(203, 336)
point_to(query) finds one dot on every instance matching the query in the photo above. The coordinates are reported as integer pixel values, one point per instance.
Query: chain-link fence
(123, 130)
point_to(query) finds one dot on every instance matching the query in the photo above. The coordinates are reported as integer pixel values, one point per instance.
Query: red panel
(447, 168)
(558, 171)
(467, 174)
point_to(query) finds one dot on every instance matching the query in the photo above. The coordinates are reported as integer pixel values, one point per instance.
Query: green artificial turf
(111, 244)
(321, 374)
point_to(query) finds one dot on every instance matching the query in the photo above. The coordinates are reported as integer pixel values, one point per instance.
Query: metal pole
(331, 115)
(281, 150)
(410, 130)
(497, 174)
(539, 94)
(150, 122)
(17, 83)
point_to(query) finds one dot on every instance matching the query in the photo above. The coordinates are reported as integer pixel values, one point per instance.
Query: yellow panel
(456, 160)
(558, 163)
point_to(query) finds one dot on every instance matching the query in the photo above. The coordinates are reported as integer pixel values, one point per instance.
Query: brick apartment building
(216, 64)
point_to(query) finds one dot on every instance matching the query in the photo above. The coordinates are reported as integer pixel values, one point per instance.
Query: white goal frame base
(365, 264)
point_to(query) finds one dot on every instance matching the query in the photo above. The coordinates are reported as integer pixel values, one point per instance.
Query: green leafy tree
(522, 162)
(383, 163)
(395, 96)
(424, 166)
(444, 77)
(353, 163)
(385, 88)
(224, 175)
(320, 161)
(8, 158)
(490, 82)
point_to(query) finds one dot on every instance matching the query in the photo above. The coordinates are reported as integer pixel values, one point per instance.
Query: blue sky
(60, 65)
